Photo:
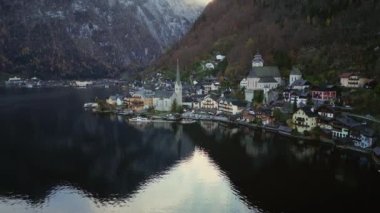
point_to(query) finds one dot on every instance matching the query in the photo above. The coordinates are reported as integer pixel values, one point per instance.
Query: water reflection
(63, 146)
(277, 174)
(56, 158)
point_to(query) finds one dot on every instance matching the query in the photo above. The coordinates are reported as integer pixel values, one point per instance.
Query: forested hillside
(323, 37)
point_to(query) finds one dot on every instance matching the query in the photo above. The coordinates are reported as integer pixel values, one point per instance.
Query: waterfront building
(231, 106)
(209, 102)
(304, 119)
(342, 126)
(115, 100)
(140, 100)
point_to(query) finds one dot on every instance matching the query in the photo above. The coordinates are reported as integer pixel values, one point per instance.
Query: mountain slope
(89, 38)
(323, 36)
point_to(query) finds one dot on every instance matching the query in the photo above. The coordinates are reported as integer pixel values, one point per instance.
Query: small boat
(139, 119)
(187, 121)
(90, 105)
(171, 117)
(125, 112)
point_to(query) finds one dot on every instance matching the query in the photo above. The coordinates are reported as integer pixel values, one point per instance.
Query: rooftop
(295, 71)
(266, 71)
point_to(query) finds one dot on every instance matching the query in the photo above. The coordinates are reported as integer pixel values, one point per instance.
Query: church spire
(178, 79)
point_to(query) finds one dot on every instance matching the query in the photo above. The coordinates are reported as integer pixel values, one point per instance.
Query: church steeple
(178, 79)
(178, 87)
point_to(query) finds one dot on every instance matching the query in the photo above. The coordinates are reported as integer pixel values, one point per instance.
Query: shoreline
(272, 129)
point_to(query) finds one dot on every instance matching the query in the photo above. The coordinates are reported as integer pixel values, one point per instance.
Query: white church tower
(258, 60)
(178, 87)
(295, 74)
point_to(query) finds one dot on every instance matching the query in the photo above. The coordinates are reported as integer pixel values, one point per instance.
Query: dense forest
(323, 37)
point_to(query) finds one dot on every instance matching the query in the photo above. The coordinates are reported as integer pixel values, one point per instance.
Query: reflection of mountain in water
(280, 175)
(61, 145)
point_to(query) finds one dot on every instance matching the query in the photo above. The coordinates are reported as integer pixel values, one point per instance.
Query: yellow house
(304, 120)
(138, 102)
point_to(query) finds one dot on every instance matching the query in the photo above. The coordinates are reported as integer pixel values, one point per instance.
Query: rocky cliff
(89, 38)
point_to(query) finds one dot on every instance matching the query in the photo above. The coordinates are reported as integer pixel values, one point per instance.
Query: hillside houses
(305, 108)
(353, 80)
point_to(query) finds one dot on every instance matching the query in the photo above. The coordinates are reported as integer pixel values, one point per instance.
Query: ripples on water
(56, 158)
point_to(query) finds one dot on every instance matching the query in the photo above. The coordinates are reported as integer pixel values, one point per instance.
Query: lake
(55, 157)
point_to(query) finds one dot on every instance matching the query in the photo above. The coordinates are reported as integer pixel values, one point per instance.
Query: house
(115, 100)
(243, 83)
(164, 99)
(362, 136)
(323, 93)
(300, 84)
(210, 66)
(213, 86)
(210, 84)
(352, 80)
(83, 83)
(230, 106)
(262, 78)
(199, 89)
(139, 100)
(209, 102)
(342, 126)
(220, 57)
(326, 115)
(295, 75)
(296, 95)
(14, 81)
(326, 111)
(265, 115)
(304, 119)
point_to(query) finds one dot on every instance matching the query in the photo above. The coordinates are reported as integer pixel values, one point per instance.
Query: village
(289, 105)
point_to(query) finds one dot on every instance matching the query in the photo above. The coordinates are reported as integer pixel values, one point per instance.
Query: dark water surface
(54, 157)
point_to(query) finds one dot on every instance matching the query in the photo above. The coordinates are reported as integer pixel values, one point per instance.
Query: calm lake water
(54, 157)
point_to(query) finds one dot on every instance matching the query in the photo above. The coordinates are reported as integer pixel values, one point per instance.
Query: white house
(209, 102)
(210, 66)
(220, 57)
(352, 80)
(243, 83)
(230, 107)
(83, 83)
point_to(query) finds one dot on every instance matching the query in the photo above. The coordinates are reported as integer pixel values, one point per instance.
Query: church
(163, 100)
(264, 78)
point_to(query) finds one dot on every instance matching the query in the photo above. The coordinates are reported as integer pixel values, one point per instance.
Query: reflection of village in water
(260, 147)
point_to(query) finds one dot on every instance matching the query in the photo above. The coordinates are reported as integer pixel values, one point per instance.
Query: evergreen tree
(174, 106)
(295, 104)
